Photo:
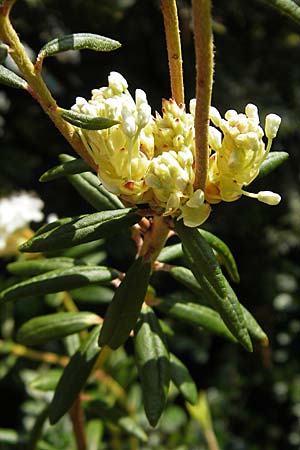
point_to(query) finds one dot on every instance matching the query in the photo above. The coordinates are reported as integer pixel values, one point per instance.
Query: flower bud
(117, 82)
(252, 112)
(271, 125)
(128, 121)
(214, 138)
(268, 197)
(215, 116)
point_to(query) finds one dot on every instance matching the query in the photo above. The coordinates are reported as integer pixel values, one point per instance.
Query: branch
(204, 65)
(170, 16)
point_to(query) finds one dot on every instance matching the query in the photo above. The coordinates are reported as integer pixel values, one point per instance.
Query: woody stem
(202, 23)
(169, 10)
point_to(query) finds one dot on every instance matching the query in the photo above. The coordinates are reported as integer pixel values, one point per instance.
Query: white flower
(16, 213)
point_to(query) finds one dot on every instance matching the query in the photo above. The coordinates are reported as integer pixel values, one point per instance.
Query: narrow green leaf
(227, 306)
(254, 328)
(55, 326)
(86, 121)
(218, 292)
(74, 166)
(47, 381)
(182, 379)
(287, 7)
(186, 277)
(32, 267)
(81, 229)
(224, 254)
(170, 253)
(78, 41)
(92, 294)
(202, 256)
(74, 376)
(196, 315)
(124, 309)
(153, 362)
(59, 280)
(272, 161)
(9, 78)
(89, 187)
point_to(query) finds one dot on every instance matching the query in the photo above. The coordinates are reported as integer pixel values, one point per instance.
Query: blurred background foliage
(254, 398)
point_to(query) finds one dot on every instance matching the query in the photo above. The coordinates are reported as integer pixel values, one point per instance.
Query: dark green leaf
(224, 254)
(10, 79)
(272, 161)
(124, 309)
(217, 290)
(152, 358)
(186, 277)
(89, 187)
(80, 230)
(170, 253)
(202, 257)
(55, 326)
(286, 7)
(254, 328)
(74, 166)
(32, 267)
(195, 314)
(182, 379)
(92, 294)
(86, 121)
(78, 41)
(74, 376)
(59, 280)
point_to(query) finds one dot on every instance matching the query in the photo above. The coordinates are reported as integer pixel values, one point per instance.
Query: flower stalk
(170, 15)
(202, 23)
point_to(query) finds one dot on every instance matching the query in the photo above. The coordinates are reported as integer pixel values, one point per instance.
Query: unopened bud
(268, 197)
(117, 82)
(271, 125)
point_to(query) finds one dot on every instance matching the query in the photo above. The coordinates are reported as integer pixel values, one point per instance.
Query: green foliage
(78, 41)
(85, 121)
(10, 79)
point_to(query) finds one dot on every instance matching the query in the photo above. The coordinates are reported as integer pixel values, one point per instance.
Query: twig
(169, 10)
(35, 355)
(77, 418)
(204, 65)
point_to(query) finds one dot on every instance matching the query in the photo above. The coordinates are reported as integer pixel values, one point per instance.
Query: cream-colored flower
(171, 177)
(16, 213)
(145, 159)
(122, 152)
(237, 153)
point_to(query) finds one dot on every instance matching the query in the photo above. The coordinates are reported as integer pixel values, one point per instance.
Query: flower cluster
(16, 212)
(151, 159)
(238, 153)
